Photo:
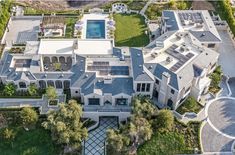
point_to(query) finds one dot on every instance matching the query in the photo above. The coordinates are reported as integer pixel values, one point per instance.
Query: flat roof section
(94, 47)
(56, 47)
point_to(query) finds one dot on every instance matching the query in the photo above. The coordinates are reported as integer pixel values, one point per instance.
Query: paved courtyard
(23, 29)
(94, 145)
(227, 54)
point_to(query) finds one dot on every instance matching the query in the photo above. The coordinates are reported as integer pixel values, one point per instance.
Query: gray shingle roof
(170, 20)
(137, 62)
(205, 36)
(119, 85)
(157, 70)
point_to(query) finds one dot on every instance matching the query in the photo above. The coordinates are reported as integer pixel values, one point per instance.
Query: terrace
(56, 55)
(177, 54)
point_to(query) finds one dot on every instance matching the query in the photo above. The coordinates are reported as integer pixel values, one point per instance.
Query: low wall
(95, 115)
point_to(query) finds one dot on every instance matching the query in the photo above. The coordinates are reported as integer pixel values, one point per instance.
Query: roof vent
(45, 75)
(143, 72)
(180, 77)
(169, 60)
(138, 54)
(9, 69)
(28, 74)
(62, 75)
(81, 70)
(140, 66)
(206, 53)
(203, 34)
(16, 73)
(86, 75)
(150, 67)
(82, 60)
(8, 62)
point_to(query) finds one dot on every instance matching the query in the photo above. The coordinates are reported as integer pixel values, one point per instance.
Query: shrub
(9, 89)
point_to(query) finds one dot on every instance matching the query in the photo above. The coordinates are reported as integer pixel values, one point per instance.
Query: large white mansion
(105, 77)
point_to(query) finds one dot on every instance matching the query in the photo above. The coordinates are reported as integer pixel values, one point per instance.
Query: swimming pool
(95, 29)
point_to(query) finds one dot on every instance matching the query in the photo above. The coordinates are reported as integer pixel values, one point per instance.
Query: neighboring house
(106, 78)
(53, 26)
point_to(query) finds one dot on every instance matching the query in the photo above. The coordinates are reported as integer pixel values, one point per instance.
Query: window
(157, 81)
(172, 91)
(143, 87)
(121, 101)
(148, 87)
(22, 84)
(138, 87)
(211, 46)
(94, 101)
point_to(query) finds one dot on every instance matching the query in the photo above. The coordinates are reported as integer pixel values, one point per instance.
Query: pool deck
(87, 17)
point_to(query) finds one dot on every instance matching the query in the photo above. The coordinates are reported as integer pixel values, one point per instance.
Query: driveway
(212, 141)
(23, 29)
(231, 83)
(221, 114)
(94, 145)
(218, 133)
(227, 54)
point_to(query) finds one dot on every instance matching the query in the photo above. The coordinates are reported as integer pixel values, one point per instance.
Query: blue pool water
(95, 29)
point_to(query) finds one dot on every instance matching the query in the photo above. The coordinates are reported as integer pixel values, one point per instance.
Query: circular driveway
(221, 114)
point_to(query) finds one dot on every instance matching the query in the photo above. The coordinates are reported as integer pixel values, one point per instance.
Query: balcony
(106, 108)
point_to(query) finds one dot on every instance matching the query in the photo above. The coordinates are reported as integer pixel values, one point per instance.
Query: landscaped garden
(216, 78)
(152, 131)
(154, 11)
(226, 12)
(21, 133)
(10, 91)
(130, 30)
(189, 105)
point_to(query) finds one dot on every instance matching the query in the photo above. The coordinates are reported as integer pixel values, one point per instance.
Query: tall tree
(51, 93)
(164, 121)
(117, 140)
(28, 116)
(66, 126)
(143, 108)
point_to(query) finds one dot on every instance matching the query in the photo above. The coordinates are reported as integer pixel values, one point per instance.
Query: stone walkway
(94, 145)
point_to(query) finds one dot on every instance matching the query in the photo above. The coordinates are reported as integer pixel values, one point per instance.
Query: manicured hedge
(4, 15)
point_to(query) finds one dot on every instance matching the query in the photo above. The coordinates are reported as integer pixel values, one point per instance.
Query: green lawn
(34, 142)
(182, 140)
(130, 30)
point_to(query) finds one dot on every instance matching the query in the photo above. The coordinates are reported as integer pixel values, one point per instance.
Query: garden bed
(17, 50)
(189, 105)
(216, 78)
(70, 22)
